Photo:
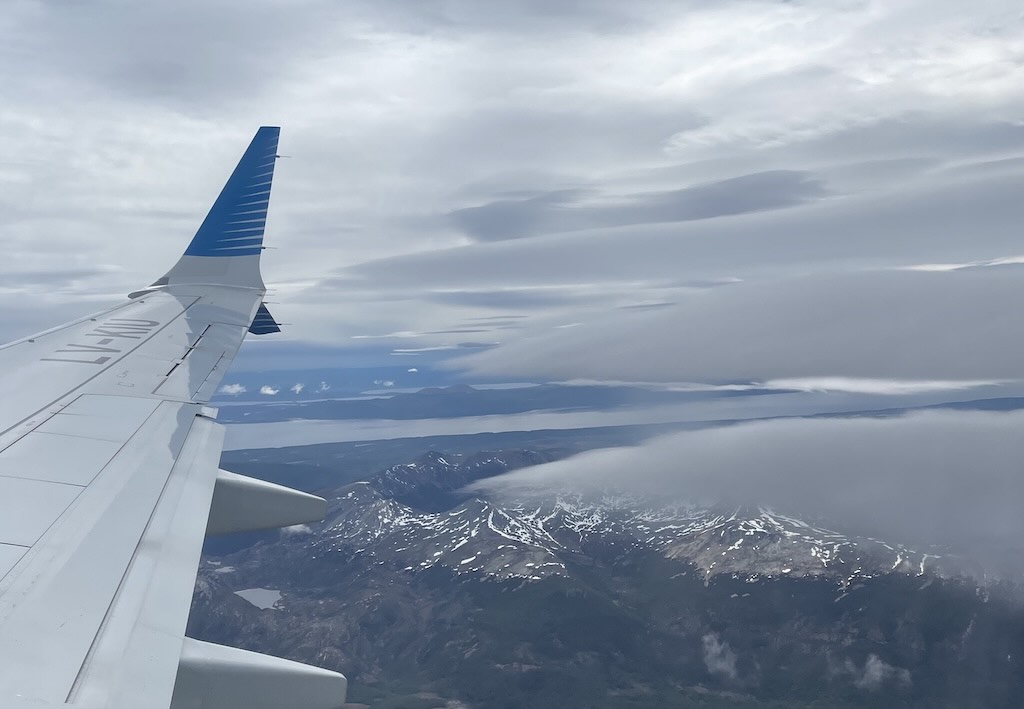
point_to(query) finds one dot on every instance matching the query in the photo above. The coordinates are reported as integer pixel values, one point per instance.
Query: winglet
(226, 249)
(234, 226)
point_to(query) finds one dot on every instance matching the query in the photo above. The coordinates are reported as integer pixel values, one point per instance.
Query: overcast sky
(453, 161)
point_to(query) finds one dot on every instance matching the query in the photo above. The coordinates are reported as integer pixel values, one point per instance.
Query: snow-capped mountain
(427, 596)
(413, 515)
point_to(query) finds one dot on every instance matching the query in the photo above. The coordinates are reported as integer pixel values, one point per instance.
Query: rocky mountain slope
(415, 514)
(428, 597)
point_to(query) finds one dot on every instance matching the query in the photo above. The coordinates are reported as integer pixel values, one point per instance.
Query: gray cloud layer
(880, 324)
(121, 122)
(563, 210)
(938, 222)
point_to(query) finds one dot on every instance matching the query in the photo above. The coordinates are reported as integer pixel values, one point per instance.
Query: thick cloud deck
(905, 325)
(942, 478)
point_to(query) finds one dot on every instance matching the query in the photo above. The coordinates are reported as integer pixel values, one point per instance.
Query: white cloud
(891, 387)
(386, 383)
(296, 530)
(418, 350)
(232, 389)
(939, 267)
(719, 658)
(935, 477)
(324, 386)
(935, 267)
(877, 672)
(268, 390)
(297, 388)
(853, 385)
(412, 370)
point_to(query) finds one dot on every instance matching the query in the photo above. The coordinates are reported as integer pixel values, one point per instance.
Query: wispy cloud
(572, 210)
(267, 390)
(719, 658)
(876, 673)
(297, 388)
(853, 385)
(232, 389)
(856, 385)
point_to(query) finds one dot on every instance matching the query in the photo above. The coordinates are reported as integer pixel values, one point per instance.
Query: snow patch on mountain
(533, 539)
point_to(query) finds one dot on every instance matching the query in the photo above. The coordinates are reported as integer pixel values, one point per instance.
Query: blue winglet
(234, 226)
(264, 323)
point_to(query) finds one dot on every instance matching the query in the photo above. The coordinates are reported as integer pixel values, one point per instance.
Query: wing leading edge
(109, 480)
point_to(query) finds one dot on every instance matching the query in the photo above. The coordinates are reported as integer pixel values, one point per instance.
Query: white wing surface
(109, 480)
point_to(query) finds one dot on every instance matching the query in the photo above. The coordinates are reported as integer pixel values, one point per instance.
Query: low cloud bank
(929, 478)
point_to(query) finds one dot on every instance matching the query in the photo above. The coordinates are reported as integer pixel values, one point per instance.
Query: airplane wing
(109, 481)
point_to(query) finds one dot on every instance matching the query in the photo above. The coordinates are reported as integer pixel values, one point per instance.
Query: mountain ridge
(449, 599)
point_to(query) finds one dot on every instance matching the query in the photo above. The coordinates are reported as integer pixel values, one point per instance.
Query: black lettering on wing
(73, 347)
(135, 322)
(126, 333)
(98, 360)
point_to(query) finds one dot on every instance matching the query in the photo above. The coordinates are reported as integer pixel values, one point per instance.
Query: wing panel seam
(104, 370)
